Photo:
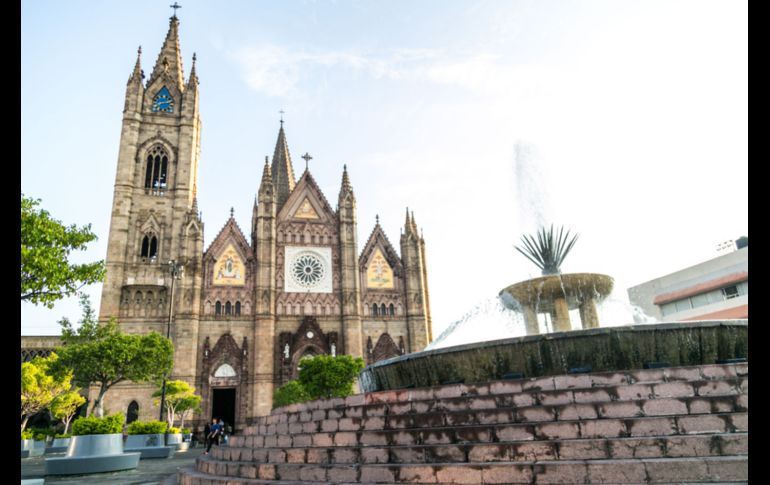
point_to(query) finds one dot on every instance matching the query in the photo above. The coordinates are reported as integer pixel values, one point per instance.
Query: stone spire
(193, 79)
(410, 228)
(346, 180)
(282, 170)
(170, 58)
(267, 175)
(137, 74)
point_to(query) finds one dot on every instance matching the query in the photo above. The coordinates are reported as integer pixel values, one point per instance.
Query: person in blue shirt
(214, 434)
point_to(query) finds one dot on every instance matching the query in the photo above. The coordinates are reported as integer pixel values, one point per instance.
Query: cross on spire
(175, 7)
(307, 158)
(281, 117)
(232, 211)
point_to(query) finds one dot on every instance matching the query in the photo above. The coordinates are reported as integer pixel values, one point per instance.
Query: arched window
(237, 308)
(156, 173)
(149, 246)
(225, 370)
(383, 310)
(392, 310)
(218, 308)
(374, 310)
(228, 308)
(132, 414)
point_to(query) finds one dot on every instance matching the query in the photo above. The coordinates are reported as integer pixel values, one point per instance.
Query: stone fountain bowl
(576, 288)
(597, 349)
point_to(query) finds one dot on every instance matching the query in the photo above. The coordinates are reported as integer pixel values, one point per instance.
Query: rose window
(307, 270)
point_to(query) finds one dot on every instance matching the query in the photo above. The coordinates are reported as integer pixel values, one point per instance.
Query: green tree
(105, 356)
(40, 385)
(46, 273)
(64, 406)
(325, 376)
(177, 392)
(187, 405)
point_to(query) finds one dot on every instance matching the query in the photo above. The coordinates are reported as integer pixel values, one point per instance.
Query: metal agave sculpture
(549, 250)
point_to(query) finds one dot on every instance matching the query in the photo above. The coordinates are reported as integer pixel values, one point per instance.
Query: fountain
(554, 293)
(563, 351)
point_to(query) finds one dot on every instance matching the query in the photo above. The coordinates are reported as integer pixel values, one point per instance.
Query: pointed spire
(282, 169)
(407, 224)
(137, 74)
(194, 208)
(414, 224)
(193, 75)
(346, 180)
(170, 58)
(267, 175)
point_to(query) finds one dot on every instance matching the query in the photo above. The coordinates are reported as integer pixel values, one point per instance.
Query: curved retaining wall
(599, 349)
(670, 425)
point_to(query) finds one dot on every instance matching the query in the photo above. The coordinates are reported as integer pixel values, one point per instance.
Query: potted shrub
(96, 446)
(146, 437)
(60, 443)
(174, 438)
(33, 442)
(30, 444)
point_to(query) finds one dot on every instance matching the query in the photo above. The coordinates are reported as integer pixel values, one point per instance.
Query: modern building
(716, 289)
(244, 311)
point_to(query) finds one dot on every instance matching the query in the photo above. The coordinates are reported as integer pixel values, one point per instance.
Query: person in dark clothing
(206, 431)
(213, 436)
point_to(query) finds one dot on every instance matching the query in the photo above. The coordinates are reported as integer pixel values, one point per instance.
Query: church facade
(245, 310)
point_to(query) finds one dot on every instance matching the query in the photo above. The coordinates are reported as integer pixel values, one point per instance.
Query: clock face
(163, 102)
(308, 270)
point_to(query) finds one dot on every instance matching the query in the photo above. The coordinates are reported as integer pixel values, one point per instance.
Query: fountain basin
(600, 349)
(557, 295)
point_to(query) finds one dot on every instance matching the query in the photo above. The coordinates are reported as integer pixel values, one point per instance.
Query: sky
(625, 121)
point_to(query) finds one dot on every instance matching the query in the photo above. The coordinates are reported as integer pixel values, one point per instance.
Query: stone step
(578, 449)
(552, 383)
(631, 425)
(511, 414)
(646, 470)
(508, 394)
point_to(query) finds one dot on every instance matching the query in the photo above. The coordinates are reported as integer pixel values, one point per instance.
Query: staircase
(680, 425)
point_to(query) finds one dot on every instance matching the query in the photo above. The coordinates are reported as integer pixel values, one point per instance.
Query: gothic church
(247, 308)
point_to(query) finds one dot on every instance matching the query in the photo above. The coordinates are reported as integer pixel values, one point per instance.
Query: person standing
(206, 431)
(213, 436)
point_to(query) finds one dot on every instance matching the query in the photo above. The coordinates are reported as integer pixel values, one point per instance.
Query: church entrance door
(223, 405)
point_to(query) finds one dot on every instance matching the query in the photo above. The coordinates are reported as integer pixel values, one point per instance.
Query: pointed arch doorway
(223, 401)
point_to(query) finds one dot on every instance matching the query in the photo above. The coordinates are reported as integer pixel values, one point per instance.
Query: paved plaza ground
(149, 472)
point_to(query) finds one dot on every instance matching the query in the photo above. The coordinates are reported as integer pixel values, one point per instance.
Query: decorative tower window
(237, 308)
(218, 308)
(156, 174)
(149, 247)
(375, 309)
(392, 310)
(228, 308)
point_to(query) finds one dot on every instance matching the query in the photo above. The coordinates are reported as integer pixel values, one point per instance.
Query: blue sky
(627, 121)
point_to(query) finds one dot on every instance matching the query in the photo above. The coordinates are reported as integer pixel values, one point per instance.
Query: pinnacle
(193, 74)
(346, 180)
(137, 74)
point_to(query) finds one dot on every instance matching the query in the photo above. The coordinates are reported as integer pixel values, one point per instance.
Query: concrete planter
(177, 441)
(58, 445)
(149, 445)
(93, 454)
(32, 448)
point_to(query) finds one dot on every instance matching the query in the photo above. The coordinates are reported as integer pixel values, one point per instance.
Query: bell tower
(154, 215)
